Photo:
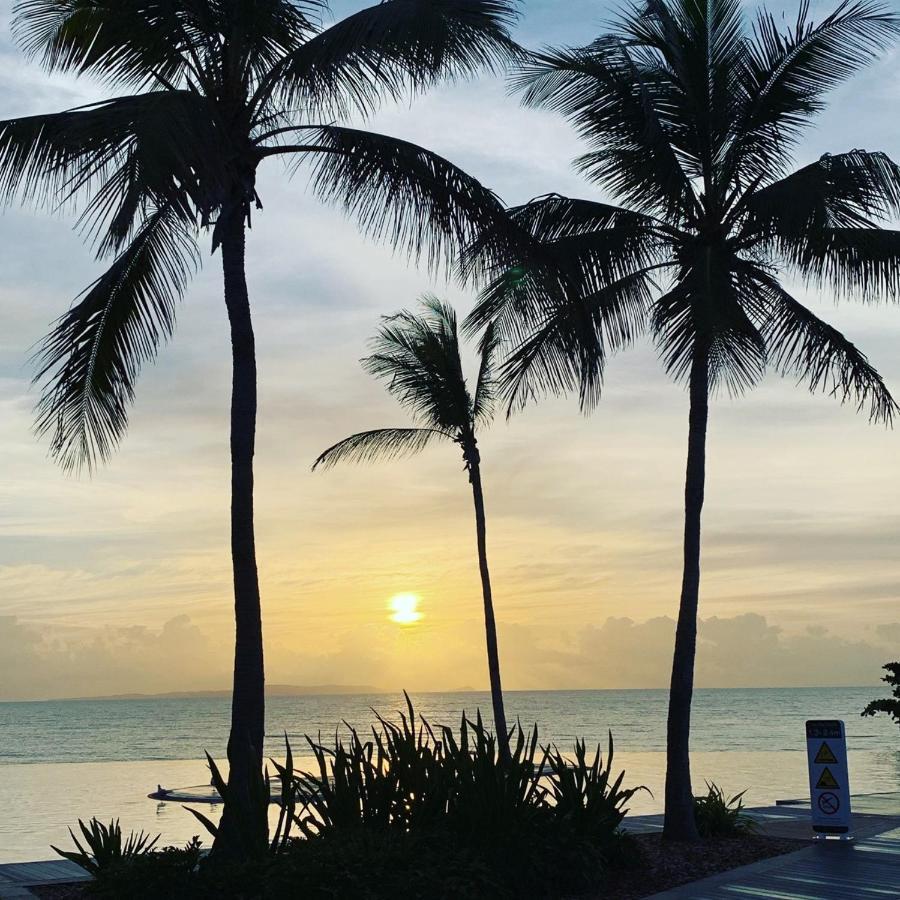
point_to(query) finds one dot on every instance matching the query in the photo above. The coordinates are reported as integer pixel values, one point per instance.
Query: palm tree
(691, 119)
(419, 358)
(214, 89)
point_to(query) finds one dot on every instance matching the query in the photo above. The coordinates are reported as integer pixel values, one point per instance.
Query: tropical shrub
(718, 816)
(105, 846)
(170, 872)
(413, 811)
(584, 795)
(393, 780)
(891, 705)
(536, 821)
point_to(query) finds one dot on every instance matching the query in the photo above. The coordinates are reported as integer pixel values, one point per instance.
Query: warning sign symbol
(825, 754)
(826, 779)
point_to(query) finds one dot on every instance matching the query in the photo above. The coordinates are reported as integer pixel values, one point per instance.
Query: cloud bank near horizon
(737, 651)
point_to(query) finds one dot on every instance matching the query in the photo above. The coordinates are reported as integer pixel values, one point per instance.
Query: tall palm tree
(691, 119)
(418, 356)
(214, 89)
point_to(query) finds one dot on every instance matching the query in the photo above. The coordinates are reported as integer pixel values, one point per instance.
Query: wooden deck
(862, 870)
(16, 878)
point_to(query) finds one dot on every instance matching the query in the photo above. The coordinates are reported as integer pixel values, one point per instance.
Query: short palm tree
(691, 119)
(214, 89)
(419, 357)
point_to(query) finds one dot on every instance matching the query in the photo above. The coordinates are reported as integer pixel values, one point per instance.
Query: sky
(120, 582)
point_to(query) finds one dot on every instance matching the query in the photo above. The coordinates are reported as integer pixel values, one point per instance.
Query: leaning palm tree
(214, 89)
(419, 357)
(691, 119)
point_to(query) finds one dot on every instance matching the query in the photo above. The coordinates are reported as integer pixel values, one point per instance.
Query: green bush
(105, 846)
(719, 817)
(889, 705)
(584, 796)
(413, 811)
(411, 776)
(449, 792)
(170, 872)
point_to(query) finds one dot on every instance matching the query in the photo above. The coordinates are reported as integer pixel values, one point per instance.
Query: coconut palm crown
(210, 90)
(419, 358)
(691, 119)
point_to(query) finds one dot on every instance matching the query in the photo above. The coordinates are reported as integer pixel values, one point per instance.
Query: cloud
(889, 633)
(41, 663)
(738, 651)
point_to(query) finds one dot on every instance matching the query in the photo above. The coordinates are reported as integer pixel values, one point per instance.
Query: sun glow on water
(405, 609)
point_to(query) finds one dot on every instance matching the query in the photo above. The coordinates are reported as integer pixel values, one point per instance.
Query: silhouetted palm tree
(419, 358)
(215, 88)
(691, 119)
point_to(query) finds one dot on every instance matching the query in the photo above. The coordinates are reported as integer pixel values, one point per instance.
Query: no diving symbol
(829, 803)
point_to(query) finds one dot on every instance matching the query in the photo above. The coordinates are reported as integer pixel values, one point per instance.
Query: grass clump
(718, 816)
(105, 847)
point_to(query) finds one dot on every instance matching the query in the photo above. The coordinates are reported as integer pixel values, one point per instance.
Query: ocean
(61, 760)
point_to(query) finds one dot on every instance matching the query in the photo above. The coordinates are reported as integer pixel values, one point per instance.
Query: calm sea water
(68, 759)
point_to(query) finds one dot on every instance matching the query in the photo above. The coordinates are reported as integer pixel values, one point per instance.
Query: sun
(405, 609)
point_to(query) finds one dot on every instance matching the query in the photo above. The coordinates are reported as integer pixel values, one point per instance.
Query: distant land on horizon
(311, 690)
(272, 690)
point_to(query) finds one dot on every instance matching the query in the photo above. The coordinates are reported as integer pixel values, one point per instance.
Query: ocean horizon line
(281, 690)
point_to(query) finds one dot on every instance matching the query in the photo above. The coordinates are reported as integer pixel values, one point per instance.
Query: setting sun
(405, 609)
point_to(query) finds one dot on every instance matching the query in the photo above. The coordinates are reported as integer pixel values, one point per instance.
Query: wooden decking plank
(865, 870)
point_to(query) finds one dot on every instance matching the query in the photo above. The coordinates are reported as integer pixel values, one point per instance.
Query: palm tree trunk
(242, 816)
(490, 625)
(680, 824)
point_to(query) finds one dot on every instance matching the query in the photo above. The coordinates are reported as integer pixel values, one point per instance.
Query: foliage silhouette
(104, 846)
(719, 816)
(890, 705)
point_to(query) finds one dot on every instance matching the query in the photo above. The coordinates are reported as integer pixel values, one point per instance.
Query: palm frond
(382, 443)
(390, 47)
(263, 33)
(132, 42)
(562, 249)
(418, 356)
(693, 52)
(862, 262)
(100, 152)
(801, 344)
(561, 342)
(399, 192)
(91, 359)
(486, 388)
(525, 233)
(845, 190)
(708, 308)
(620, 107)
(822, 221)
(786, 76)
